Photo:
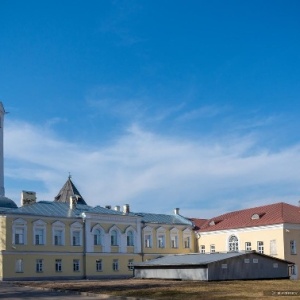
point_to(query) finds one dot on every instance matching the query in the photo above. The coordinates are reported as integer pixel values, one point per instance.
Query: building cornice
(244, 229)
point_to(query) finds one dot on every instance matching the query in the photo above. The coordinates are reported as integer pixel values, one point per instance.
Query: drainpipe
(142, 241)
(83, 215)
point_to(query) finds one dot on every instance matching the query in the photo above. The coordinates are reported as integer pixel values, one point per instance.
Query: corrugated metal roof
(189, 259)
(50, 209)
(164, 219)
(62, 209)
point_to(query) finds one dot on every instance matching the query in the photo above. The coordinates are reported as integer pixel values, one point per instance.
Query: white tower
(2, 113)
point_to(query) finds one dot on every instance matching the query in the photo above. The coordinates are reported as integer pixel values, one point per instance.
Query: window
(58, 237)
(97, 237)
(212, 248)
(161, 241)
(148, 234)
(247, 261)
(273, 247)
(58, 233)
(130, 236)
(174, 238)
(187, 242)
(248, 246)
(174, 241)
(39, 232)
(275, 265)
(255, 260)
(76, 238)
(293, 270)
(19, 236)
(130, 264)
(202, 248)
(76, 234)
(233, 244)
(148, 241)
(115, 265)
(19, 230)
(76, 265)
(99, 265)
(39, 237)
(39, 265)
(19, 266)
(114, 238)
(187, 237)
(260, 247)
(293, 247)
(58, 265)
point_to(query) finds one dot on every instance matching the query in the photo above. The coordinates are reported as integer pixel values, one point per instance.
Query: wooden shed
(214, 266)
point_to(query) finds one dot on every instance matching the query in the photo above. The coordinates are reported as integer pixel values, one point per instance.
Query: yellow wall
(253, 235)
(168, 249)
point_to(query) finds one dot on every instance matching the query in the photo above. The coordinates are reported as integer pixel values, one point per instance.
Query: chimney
(176, 211)
(28, 198)
(108, 206)
(73, 202)
(126, 208)
(117, 208)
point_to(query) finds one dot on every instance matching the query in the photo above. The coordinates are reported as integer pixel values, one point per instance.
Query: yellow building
(68, 239)
(271, 229)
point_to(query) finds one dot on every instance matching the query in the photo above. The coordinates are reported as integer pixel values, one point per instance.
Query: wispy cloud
(208, 111)
(153, 172)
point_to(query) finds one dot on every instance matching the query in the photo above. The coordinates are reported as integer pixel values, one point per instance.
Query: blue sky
(159, 104)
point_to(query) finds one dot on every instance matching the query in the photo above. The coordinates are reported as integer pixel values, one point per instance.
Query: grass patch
(171, 289)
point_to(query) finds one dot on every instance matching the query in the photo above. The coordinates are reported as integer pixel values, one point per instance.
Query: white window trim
(115, 265)
(235, 243)
(117, 229)
(161, 232)
(202, 249)
(174, 236)
(40, 225)
(58, 262)
(76, 226)
(148, 231)
(293, 247)
(19, 224)
(248, 246)
(99, 262)
(187, 234)
(261, 248)
(59, 226)
(19, 266)
(93, 232)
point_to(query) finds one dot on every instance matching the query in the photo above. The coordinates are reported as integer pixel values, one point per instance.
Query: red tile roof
(276, 213)
(198, 222)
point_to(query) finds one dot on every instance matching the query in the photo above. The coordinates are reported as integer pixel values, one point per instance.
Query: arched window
(233, 243)
(114, 238)
(130, 238)
(97, 237)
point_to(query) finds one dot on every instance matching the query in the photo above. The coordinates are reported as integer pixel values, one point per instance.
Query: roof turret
(67, 191)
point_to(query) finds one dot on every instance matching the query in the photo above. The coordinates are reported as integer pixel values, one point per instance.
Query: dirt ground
(191, 290)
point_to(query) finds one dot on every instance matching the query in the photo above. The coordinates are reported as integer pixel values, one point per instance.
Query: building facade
(271, 229)
(68, 239)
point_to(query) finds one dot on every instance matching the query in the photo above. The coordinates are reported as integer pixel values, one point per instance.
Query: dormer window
(214, 222)
(256, 216)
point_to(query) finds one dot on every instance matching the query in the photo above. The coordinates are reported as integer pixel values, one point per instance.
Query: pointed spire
(67, 191)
